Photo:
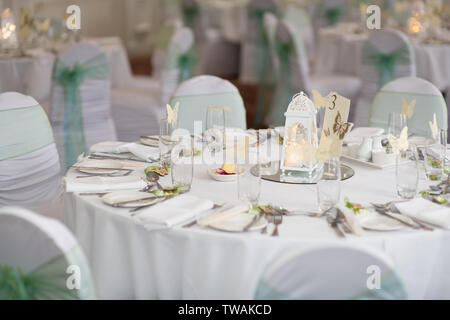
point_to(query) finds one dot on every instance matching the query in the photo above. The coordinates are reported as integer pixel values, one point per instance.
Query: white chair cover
(330, 272)
(215, 55)
(382, 43)
(429, 101)
(293, 74)
(136, 109)
(197, 94)
(94, 99)
(299, 18)
(40, 250)
(29, 163)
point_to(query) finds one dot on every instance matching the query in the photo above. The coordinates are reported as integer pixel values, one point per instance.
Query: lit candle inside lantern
(8, 35)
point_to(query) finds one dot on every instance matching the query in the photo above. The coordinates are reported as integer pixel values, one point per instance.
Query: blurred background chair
(39, 258)
(215, 55)
(29, 162)
(293, 74)
(137, 110)
(81, 108)
(331, 272)
(429, 101)
(386, 55)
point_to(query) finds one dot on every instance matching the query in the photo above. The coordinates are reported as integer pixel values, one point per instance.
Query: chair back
(292, 68)
(29, 163)
(197, 94)
(428, 101)
(386, 55)
(331, 272)
(81, 108)
(40, 259)
(255, 49)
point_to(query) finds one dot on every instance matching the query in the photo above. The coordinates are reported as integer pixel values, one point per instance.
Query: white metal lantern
(298, 158)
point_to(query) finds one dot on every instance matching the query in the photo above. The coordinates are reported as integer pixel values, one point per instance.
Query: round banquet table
(131, 262)
(339, 48)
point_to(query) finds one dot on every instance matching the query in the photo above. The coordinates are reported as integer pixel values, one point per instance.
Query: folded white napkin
(426, 211)
(96, 184)
(174, 211)
(358, 134)
(143, 152)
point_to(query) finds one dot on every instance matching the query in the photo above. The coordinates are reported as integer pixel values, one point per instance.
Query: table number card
(335, 124)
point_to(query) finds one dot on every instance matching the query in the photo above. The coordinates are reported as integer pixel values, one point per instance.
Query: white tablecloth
(129, 261)
(340, 53)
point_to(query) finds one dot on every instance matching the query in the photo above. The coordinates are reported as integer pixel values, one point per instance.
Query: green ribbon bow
(190, 11)
(332, 15)
(285, 92)
(385, 62)
(71, 79)
(185, 64)
(262, 57)
(48, 281)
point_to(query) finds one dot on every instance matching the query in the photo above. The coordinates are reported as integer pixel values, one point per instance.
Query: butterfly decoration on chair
(42, 25)
(172, 113)
(408, 109)
(400, 143)
(329, 101)
(434, 127)
(340, 128)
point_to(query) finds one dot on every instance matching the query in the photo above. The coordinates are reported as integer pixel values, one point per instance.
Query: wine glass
(397, 122)
(329, 186)
(215, 128)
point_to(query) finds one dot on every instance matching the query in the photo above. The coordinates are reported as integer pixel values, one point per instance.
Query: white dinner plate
(221, 177)
(118, 196)
(383, 223)
(238, 222)
(100, 164)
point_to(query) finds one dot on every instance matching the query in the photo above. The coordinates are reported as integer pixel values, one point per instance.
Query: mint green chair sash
(23, 130)
(332, 14)
(194, 107)
(190, 12)
(48, 281)
(426, 105)
(285, 92)
(186, 62)
(71, 79)
(263, 62)
(391, 289)
(386, 62)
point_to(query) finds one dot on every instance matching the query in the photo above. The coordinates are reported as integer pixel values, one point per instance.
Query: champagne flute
(215, 128)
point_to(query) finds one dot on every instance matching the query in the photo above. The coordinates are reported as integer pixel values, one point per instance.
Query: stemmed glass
(183, 163)
(248, 170)
(215, 128)
(166, 142)
(397, 122)
(407, 173)
(329, 186)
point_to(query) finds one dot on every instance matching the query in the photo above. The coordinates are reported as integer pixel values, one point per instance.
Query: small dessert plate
(221, 177)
